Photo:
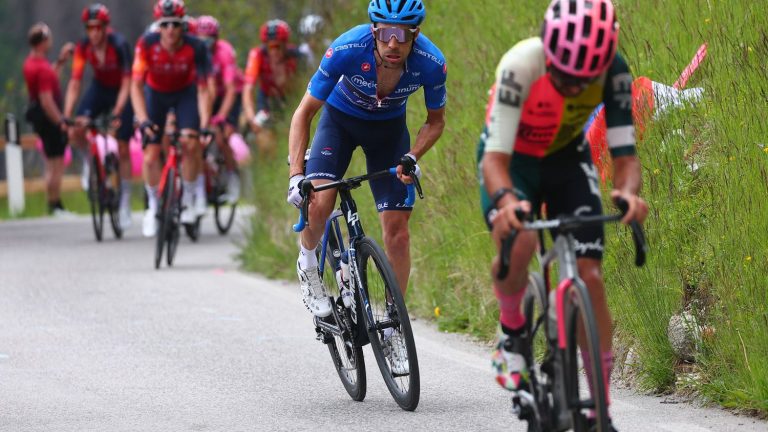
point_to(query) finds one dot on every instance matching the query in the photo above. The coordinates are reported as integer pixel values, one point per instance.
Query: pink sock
(509, 306)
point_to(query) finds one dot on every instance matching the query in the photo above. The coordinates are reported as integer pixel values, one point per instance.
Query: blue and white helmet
(408, 12)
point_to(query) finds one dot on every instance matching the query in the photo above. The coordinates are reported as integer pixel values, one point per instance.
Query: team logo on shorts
(365, 67)
(326, 151)
(329, 53)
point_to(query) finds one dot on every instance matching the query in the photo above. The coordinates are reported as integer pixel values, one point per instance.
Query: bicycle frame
(348, 209)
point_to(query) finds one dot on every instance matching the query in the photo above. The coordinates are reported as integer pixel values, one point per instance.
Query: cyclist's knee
(123, 149)
(152, 154)
(321, 206)
(397, 237)
(591, 272)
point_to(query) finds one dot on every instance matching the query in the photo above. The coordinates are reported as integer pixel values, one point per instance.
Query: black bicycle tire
(193, 230)
(579, 304)
(163, 208)
(172, 236)
(112, 167)
(357, 389)
(95, 198)
(224, 224)
(407, 400)
(536, 293)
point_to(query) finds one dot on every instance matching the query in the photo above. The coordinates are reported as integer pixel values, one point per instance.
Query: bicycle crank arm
(327, 327)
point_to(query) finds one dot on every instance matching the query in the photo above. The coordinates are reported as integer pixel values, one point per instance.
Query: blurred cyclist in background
(109, 55)
(271, 66)
(310, 28)
(225, 86)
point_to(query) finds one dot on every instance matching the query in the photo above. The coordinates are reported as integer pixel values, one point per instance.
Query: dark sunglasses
(385, 34)
(165, 24)
(94, 27)
(567, 80)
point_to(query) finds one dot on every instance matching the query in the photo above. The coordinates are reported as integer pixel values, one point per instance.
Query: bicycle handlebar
(570, 223)
(350, 183)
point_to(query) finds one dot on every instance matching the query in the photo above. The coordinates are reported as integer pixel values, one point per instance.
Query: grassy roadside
(707, 229)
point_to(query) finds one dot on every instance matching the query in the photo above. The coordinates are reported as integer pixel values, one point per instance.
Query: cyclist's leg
(330, 154)
(575, 190)
(157, 111)
(511, 346)
(230, 127)
(385, 143)
(123, 135)
(188, 123)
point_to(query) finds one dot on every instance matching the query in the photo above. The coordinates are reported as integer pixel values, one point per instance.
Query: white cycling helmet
(310, 24)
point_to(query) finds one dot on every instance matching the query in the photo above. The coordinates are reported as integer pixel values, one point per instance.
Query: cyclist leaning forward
(109, 54)
(272, 65)
(224, 85)
(365, 78)
(175, 67)
(533, 152)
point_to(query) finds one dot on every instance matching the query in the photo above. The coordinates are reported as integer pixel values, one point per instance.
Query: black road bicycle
(555, 399)
(368, 306)
(104, 186)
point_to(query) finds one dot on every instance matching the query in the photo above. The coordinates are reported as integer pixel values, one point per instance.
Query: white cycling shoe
(312, 289)
(149, 224)
(396, 352)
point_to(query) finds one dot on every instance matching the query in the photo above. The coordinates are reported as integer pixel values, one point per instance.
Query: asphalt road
(92, 338)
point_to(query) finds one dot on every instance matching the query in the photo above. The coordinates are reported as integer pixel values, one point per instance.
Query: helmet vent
(595, 63)
(572, 7)
(587, 26)
(566, 55)
(570, 31)
(603, 11)
(582, 57)
(600, 38)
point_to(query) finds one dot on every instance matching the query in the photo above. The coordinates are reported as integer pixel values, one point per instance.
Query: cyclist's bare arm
(429, 133)
(298, 137)
(248, 107)
(627, 183)
(203, 105)
(73, 92)
(122, 96)
(138, 101)
(230, 93)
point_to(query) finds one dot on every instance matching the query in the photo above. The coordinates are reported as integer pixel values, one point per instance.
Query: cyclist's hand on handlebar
(148, 128)
(407, 168)
(206, 135)
(637, 208)
(295, 197)
(506, 218)
(218, 120)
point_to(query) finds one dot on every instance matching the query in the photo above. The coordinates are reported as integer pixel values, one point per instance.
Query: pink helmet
(580, 36)
(207, 26)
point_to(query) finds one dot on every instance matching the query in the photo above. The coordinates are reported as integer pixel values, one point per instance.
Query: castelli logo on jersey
(329, 53)
(365, 67)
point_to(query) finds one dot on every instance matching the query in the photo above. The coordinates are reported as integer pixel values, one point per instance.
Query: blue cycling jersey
(346, 78)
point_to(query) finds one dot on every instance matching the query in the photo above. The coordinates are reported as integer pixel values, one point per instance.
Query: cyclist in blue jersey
(364, 80)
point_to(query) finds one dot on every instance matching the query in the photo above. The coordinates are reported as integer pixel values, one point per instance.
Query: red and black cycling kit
(259, 69)
(172, 78)
(108, 75)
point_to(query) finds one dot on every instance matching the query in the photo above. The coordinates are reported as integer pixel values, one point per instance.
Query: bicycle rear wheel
(112, 193)
(96, 198)
(223, 210)
(389, 312)
(163, 209)
(579, 313)
(346, 354)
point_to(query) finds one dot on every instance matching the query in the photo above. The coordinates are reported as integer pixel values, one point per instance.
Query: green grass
(707, 229)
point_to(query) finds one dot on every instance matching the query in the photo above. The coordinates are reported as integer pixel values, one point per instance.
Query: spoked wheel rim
(388, 310)
(95, 199)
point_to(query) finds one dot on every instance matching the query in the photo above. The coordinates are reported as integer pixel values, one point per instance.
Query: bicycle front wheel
(223, 209)
(579, 315)
(113, 191)
(346, 353)
(390, 329)
(95, 198)
(173, 221)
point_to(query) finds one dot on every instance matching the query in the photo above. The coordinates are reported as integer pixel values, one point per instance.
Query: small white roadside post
(14, 167)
